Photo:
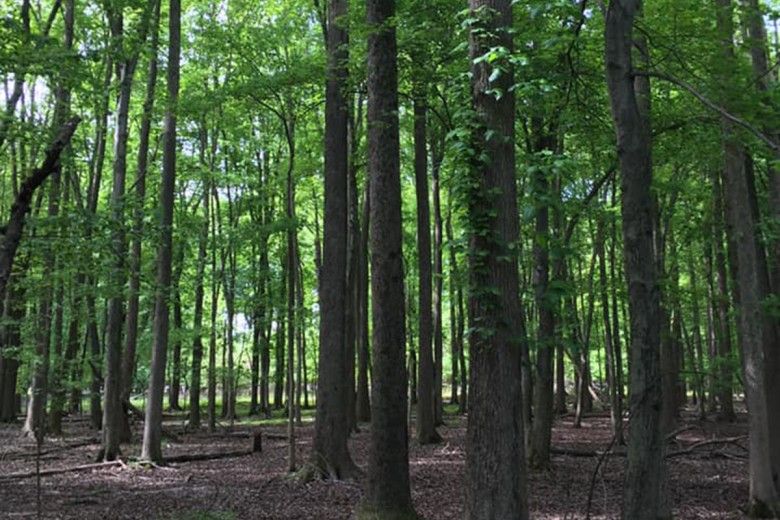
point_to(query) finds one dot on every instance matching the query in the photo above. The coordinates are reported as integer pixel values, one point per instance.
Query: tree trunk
(615, 411)
(151, 448)
(541, 429)
(215, 284)
(131, 339)
(756, 32)
(438, 279)
(723, 351)
(197, 326)
(15, 311)
(330, 455)
(454, 282)
(113, 423)
(291, 311)
(643, 492)
(387, 493)
(426, 386)
(363, 403)
(495, 446)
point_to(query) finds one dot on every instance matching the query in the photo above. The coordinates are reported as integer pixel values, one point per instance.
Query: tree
(151, 449)
(426, 386)
(643, 491)
(114, 427)
(330, 455)
(752, 321)
(387, 494)
(495, 451)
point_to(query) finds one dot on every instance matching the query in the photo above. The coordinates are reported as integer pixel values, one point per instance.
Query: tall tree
(330, 455)
(387, 494)
(752, 322)
(151, 448)
(495, 438)
(133, 296)
(113, 423)
(643, 491)
(426, 383)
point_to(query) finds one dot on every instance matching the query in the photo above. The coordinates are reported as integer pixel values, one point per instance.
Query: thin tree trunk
(131, 339)
(615, 411)
(197, 326)
(151, 448)
(363, 404)
(426, 387)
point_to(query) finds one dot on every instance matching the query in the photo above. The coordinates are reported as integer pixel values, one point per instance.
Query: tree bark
(363, 403)
(495, 446)
(151, 448)
(113, 410)
(131, 321)
(330, 455)
(541, 428)
(387, 493)
(643, 492)
(426, 385)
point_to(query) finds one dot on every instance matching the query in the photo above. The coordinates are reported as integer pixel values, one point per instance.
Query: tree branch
(771, 143)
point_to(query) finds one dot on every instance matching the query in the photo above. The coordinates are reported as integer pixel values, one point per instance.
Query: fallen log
(586, 453)
(195, 457)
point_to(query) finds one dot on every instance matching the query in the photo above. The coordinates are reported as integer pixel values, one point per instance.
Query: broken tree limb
(712, 442)
(59, 471)
(12, 232)
(677, 453)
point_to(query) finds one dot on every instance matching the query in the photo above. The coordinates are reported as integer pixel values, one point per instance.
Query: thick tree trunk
(330, 455)
(756, 32)
(495, 446)
(643, 496)
(387, 493)
(151, 448)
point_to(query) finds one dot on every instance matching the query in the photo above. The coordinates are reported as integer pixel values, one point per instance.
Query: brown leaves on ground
(710, 482)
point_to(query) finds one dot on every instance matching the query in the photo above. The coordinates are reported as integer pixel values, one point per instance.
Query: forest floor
(708, 479)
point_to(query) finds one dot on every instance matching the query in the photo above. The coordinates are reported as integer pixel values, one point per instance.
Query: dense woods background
(381, 216)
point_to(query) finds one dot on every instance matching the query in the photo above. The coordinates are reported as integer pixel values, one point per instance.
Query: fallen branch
(712, 442)
(586, 453)
(59, 471)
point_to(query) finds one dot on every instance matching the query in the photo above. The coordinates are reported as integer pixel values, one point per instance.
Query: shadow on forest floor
(708, 482)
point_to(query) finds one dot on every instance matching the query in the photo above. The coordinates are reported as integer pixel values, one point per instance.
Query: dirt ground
(707, 481)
